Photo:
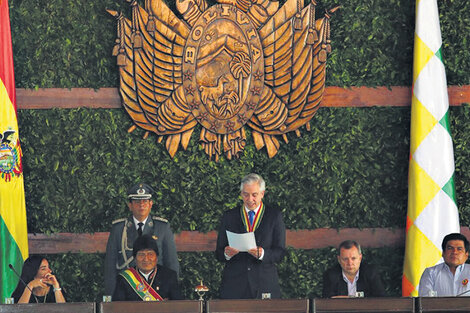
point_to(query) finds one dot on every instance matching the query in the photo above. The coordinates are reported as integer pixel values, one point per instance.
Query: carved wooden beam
(109, 98)
(193, 241)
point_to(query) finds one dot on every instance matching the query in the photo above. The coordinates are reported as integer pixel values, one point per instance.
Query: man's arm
(170, 256)
(110, 261)
(119, 293)
(425, 283)
(277, 250)
(223, 251)
(328, 286)
(175, 293)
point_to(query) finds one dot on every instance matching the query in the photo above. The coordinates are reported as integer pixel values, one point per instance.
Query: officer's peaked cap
(140, 191)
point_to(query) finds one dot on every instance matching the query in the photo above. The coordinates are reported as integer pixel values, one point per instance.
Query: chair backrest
(252, 306)
(171, 306)
(372, 305)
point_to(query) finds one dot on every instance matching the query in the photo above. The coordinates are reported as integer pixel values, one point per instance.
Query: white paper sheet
(241, 242)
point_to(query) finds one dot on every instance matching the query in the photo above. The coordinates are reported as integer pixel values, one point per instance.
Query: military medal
(147, 297)
(140, 287)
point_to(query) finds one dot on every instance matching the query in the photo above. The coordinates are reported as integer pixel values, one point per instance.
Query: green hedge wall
(350, 170)
(59, 43)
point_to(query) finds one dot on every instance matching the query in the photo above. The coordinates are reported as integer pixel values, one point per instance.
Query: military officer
(126, 230)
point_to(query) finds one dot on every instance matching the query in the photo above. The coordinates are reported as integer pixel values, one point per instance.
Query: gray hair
(251, 179)
(348, 244)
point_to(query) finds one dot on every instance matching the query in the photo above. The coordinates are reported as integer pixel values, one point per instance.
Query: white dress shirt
(440, 280)
(352, 286)
(136, 223)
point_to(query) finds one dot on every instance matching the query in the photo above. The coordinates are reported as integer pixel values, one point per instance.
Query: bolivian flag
(13, 232)
(432, 206)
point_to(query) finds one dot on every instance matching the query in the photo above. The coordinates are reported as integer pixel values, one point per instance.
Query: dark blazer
(369, 282)
(165, 284)
(120, 244)
(245, 276)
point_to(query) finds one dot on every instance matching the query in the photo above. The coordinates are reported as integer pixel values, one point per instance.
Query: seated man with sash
(147, 281)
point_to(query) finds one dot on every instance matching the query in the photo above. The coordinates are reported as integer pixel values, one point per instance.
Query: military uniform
(120, 244)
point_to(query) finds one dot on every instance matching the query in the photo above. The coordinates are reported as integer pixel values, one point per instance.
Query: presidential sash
(256, 219)
(140, 285)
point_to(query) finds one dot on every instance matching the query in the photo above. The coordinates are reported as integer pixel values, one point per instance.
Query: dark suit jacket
(165, 284)
(369, 282)
(245, 276)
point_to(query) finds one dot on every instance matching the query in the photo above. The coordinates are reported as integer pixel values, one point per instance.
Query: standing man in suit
(252, 274)
(351, 276)
(126, 230)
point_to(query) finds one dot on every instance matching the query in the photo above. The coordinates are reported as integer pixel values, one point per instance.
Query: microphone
(26, 285)
(461, 294)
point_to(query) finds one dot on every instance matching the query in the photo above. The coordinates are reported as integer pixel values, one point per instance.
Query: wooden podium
(370, 305)
(444, 304)
(253, 306)
(76, 307)
(171, 306)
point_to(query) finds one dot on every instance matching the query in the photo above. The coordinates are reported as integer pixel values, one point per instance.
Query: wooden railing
(347, 305)
(193, 241)
(109, 98)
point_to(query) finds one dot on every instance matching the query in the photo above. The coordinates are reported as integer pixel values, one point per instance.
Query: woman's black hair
(29, 271)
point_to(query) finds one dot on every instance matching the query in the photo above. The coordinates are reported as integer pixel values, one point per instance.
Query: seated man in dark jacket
(147, 281)
(350, 277)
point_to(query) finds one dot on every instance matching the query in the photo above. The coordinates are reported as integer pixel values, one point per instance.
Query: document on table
(241, 242)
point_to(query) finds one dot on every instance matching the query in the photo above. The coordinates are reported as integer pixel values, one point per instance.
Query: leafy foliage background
(350, 170)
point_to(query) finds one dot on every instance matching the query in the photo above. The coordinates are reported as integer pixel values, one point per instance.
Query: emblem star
(241, 118)
(214, 126)
(194, 105)
(188, 75)
(202, 117)
(251, 106)
(258, 75)
(190, 90)
(256, 91)
(229, 126)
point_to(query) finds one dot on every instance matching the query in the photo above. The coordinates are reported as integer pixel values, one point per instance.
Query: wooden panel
(333, 97)
(172, 306)
(68, 98)
(371, 305)
(189, 241)
(252, 306)
(49, 308)
(447, 304)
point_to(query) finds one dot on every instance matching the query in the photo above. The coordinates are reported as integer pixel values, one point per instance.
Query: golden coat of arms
(236, 63)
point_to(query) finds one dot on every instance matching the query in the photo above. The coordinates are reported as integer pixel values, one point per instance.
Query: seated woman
(38, 276)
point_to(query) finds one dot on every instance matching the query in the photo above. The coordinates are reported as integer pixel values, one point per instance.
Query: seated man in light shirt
(451, 277)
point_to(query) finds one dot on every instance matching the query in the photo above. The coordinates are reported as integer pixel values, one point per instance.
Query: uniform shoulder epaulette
(119, 220)
(161, 219)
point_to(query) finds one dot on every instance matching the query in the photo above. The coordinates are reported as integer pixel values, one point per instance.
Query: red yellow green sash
(140, 286)
(256, 220)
